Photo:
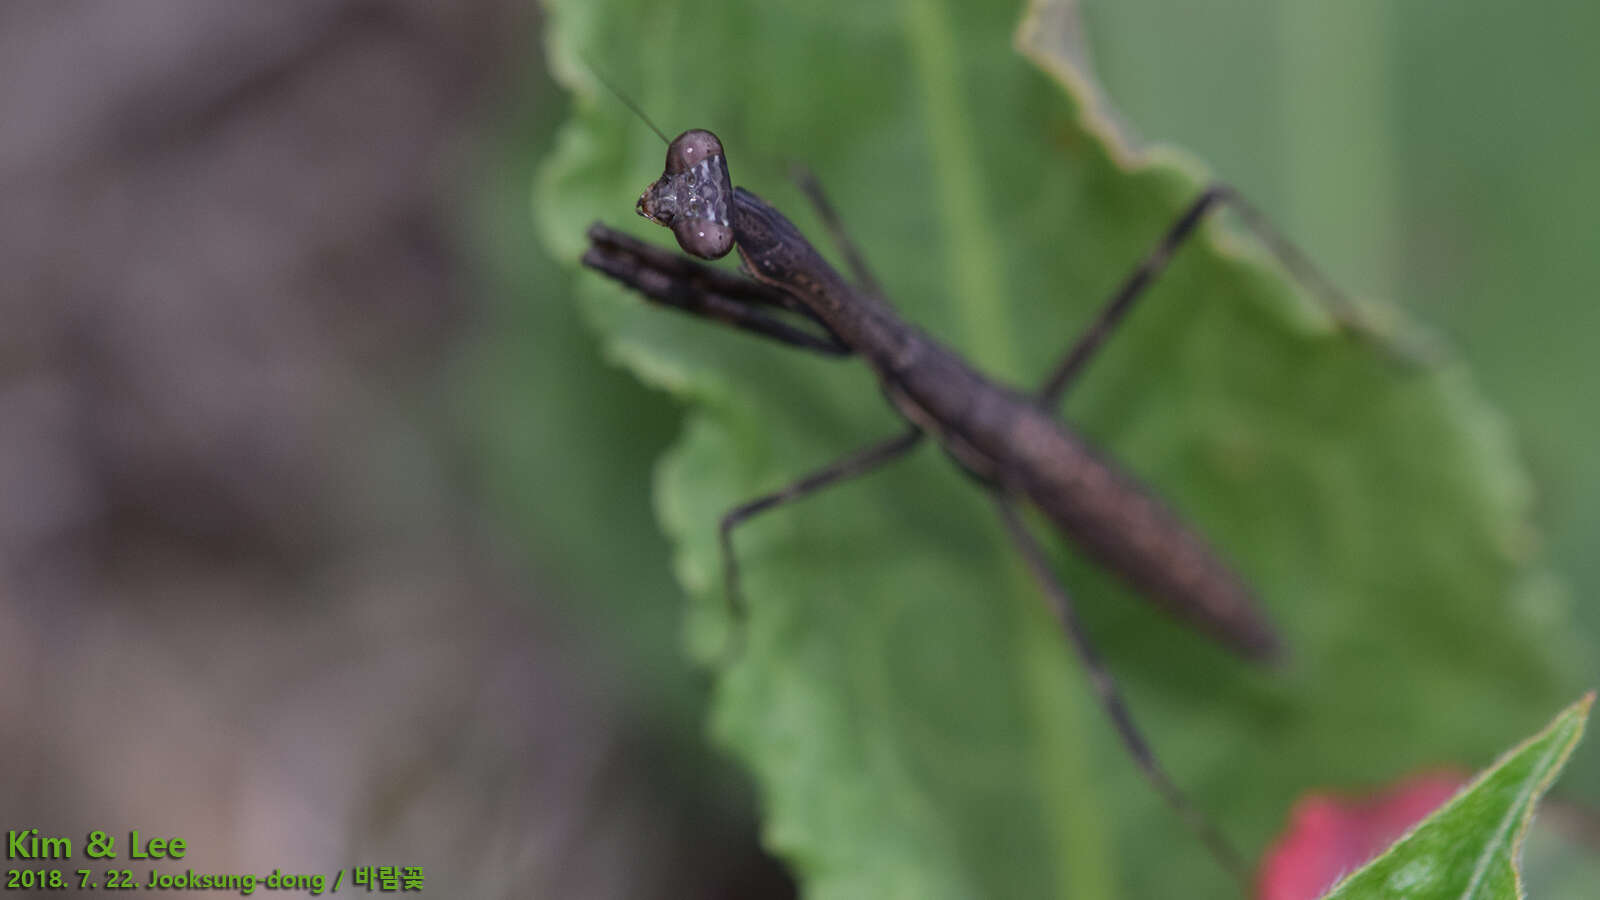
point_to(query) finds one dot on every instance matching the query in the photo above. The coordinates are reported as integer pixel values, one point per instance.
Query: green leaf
(1470, 847)
(914, 721)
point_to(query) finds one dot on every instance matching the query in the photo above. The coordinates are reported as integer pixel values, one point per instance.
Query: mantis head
(692, 195)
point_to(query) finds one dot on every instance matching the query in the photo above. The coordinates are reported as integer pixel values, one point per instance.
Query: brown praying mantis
(1011, 443)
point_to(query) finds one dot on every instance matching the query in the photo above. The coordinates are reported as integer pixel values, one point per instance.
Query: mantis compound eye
(703, 237)
(691, 149)
(692, 195)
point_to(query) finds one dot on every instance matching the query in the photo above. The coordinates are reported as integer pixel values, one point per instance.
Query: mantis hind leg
(1109, 695)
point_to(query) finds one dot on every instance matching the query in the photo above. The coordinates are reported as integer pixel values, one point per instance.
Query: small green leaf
(1469, 848)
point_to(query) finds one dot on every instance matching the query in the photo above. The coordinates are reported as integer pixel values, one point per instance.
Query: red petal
(1329, 835)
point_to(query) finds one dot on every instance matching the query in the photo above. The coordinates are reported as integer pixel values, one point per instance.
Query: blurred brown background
(246, 597)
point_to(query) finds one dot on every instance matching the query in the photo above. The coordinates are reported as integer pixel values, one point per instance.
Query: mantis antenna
(626, 100)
